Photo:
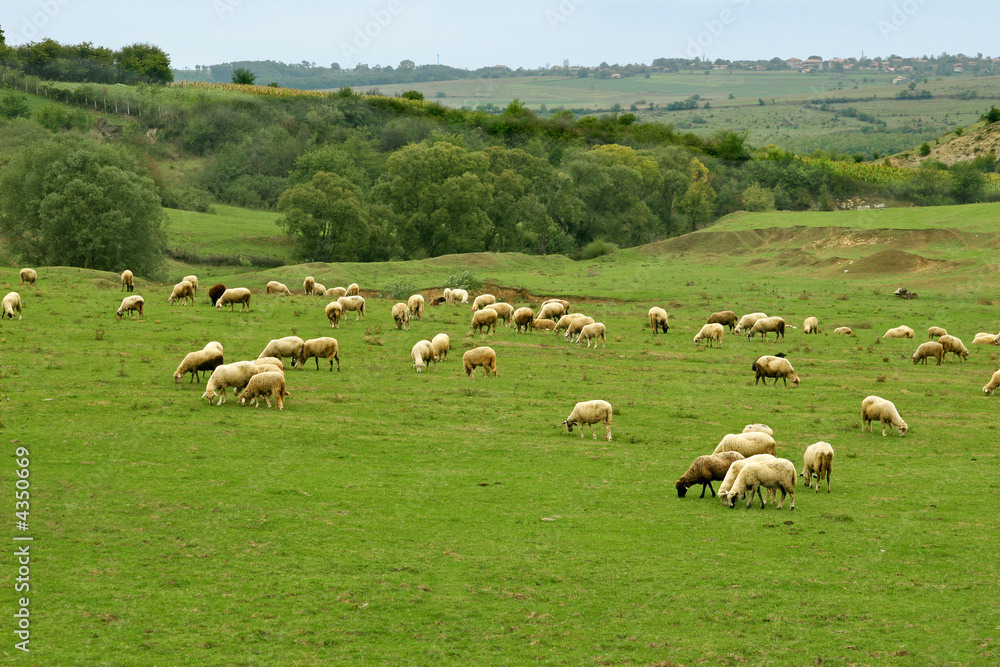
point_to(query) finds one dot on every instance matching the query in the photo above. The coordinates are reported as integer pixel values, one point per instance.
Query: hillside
(950, 149)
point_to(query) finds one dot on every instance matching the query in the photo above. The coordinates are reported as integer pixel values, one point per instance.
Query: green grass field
(390, 517)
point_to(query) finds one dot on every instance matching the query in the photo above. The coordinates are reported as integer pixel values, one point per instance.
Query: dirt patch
(897, 261)
(957, 149)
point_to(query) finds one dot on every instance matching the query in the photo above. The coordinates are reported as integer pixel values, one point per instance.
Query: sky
(517, 33)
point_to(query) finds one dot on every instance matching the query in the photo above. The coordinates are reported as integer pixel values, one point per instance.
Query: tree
(73, 202)
(991, 116)
(244, 76)
(967, 183)
(413, 95)
(146, 62)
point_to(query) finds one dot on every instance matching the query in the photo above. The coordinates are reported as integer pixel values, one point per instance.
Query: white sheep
(986, 339)
(901, 331)
(232, 296)
(758, 428)
(336, 291)
(355, 303)
(658, 319)
(773, 474)
(480, 356)
(844, 331)
(590, 413)
(550, 310)
(747, 321)
(270, 361)
(929, 349)
(874, 408)
(482, 301)
(954, 345)
(183, 291)
(936, 332)
(811, 325)
(193, 279)
(818, 460)
(319, 348)
(268, 368)
(523, 317)
(319, 290)
(747, 444)
(415, 304)
(289, 346)
(128, 281)
(308, 284)
(274, 287)
(576, 326)
(991, 386)
(769, 366)
(485, 318)
(562, 302)
(422, 352)
(710, 332)
(235, 375)
(733, 473)
(441, 344)
(265, 384)
(401, 316)
(130, 303)
(28, 276)
(214, 345)
(207, 359)
(447, 294)
(353, 290)
(766, 325)
(505, 311)
(705, 470)
(333, 312)
(458, 296)
(565, 321)
(12, 302)
(543, 324)
(596, 331)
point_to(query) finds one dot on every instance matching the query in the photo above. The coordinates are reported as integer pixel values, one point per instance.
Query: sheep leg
(267, 400)
(827, 481)
(607, 427)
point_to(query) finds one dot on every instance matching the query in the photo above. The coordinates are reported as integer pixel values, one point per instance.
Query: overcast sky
(517, 33)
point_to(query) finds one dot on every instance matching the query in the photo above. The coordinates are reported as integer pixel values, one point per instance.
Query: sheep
(355, 303)
(773, 474)
(955, 345)
(596, 331)
(183, 291)
(216, 291)
(936, 332)
(353, 290)
(458, 296)
(711, 332)
(447, 295)
(270, 361)
(438, 301)
(308, 284)
(268, 368)
(12, 302)
(482, 301)
(811, 326)
(415, 304)
(523, 317)
(480, 356)
(899, 332)
(726, 318)
(194, 363)
(986, 339)
(844, 331)
(336, 291)
(505, 311)
(576, 326)
(818, 460)
(401, 316)
(129, 303)
(319, 290)
(485, 318)
(562, 302)
(422, 352)
(319, 348)
(289, 346)
(333, 312)
(590, 413)
(705, 470)
(658, 319)
(758, 428)
(28, 276)
(214, 345)
(991, 386)
(564, 321)
(929, 349)
(265, 384)
(875, 408)
(234, 295)
(193, 279)
(766, 325)
(774, 367)
(550, 310)
(543, 324)
(235, 375)
(274, 287)
(733, 473)
(746, 444)
(748, 321)
(441, 344)
(128, 281)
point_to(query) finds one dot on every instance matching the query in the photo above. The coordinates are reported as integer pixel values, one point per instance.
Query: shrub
(597, 248)
(400, 290)
(463, 280)
(13, 105)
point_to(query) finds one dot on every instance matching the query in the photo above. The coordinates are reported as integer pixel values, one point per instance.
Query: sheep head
(681, 489)
(178, 377)
(569, 426)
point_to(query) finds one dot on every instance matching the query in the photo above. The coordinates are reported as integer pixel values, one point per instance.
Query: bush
(925, 149)
(463, 280)
(55, 118)
(400, 290)
(597, 248)
(13, 105)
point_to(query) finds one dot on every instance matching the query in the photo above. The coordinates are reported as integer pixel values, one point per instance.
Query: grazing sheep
(216, 291)
(929, 349)
(422, 352)
(194, 363)
(726, 318)
(550, 310)
(658, 319)
(355, 303)
(565, 320)
(955, 345)
(562, 302)
(129, 303)
(765, 325)
(747, 444)
(505, 311)
(843, 331)
(441, 344)
(214, 345)
(936, 332)
(774, 474)
(758, 428)
(193, 279)
(811, 325)
(265, 384)
(270, 361)
(289, 346)
(576, 326)
(596, 331)
(705, 470)
(232, 296)
(590, 413)
(447, 294)
(484, 318)
(268, 368)
(333, 312)
(28, 276)
(986, 339)
(991, 386)
(543, 324)
(875, 408)
(308, 284)
(319, 290)
(274, 287)
(401, 316)
(235, 375)
(12, 302)
(482, 301)
(353, 290)
(733, 473)
(748, 321)
(899, 332)
(319, 348)
(523, 317)
(774, 367)
(818, 460)
(438, 301)
(480, 356)
(336, 291)
(416, 306)
(183, 291)
(128, 281)
(710, 332)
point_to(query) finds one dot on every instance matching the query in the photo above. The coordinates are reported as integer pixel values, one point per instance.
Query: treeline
(48, 59)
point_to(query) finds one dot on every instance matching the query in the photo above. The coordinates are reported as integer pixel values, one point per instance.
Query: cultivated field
(392, 517)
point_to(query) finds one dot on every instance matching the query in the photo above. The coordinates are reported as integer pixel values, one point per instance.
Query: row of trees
(48, 59)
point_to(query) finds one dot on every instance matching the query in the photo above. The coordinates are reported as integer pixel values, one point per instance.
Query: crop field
(391, 517)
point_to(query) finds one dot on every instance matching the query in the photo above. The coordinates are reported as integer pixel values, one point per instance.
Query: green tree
(13, 105)
(967, 183)
(757, 198)
(413, 95)
(73, 202)
(244, 76)
(991, 116)
(145, 61)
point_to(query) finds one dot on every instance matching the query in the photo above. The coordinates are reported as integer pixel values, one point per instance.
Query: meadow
(390, 517)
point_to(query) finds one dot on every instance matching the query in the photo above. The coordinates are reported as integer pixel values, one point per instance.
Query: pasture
(387, 516)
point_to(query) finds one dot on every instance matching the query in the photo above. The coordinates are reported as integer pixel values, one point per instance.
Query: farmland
(393, 517)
